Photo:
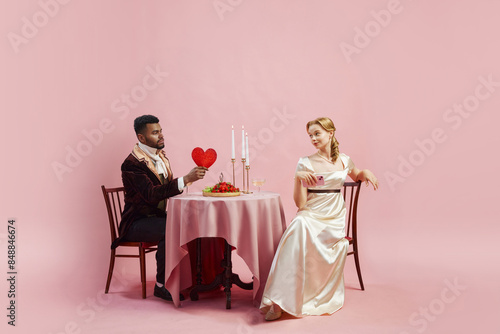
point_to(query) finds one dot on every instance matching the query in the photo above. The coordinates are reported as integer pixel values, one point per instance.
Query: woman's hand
(309, 178)
(368, 177)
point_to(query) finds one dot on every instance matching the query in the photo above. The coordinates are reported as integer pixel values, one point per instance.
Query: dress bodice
(333, 179)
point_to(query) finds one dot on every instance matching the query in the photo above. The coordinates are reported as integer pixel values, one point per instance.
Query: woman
(306, 276)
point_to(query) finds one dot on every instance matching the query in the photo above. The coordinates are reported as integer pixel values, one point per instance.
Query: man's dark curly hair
(141, 122)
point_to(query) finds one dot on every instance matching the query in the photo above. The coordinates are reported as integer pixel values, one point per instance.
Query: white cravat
(158, 162)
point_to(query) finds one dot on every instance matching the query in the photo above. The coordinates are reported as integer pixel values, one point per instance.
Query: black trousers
(151, 230)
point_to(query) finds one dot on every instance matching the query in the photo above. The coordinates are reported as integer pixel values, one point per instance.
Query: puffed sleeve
(348, 162)
(303, 165)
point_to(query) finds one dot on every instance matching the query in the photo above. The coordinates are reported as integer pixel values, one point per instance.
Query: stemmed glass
(258, 182)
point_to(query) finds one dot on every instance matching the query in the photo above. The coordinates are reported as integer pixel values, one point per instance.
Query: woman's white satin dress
(306, 276)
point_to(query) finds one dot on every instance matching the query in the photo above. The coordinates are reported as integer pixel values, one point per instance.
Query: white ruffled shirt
(159, 164)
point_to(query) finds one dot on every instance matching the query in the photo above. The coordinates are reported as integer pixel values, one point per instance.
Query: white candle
(232, 142)
(242, 142)
(248, 153)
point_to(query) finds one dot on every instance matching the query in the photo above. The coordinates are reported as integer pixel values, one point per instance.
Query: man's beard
(155, 144)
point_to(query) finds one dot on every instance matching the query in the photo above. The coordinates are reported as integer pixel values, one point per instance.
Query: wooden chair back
(351, 197)
(114, 199)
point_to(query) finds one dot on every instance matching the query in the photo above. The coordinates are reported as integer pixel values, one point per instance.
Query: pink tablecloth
(251, 223)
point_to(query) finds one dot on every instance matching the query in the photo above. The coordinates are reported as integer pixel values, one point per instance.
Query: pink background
(270, 65)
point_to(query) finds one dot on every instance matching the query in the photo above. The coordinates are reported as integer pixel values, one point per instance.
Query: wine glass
(258, 182)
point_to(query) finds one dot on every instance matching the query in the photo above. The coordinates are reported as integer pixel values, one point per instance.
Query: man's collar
(146, 148)
(139, 154)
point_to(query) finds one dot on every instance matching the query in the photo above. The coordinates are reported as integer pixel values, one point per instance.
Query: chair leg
(142, 260)
(358, 267)
(110, 271)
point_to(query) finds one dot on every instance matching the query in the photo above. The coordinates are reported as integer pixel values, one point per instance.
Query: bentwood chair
(351, 197)
(113, 197)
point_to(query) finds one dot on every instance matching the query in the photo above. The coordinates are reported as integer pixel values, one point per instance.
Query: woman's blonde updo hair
(327, 124)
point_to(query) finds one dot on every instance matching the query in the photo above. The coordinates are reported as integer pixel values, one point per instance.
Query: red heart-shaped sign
(202, 158)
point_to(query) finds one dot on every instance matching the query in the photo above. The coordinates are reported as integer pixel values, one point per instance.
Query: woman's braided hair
(328, 125)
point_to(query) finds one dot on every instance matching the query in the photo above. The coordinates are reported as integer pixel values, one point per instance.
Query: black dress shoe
(164, 294)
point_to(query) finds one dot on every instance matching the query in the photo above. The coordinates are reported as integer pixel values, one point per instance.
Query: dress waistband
(323, 190)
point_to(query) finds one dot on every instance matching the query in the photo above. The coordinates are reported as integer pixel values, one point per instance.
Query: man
(148, 181)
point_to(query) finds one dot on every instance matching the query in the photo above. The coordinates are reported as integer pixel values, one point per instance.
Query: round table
(252, 224)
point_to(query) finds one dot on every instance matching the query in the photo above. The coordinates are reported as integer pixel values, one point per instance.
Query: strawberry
(224, 187)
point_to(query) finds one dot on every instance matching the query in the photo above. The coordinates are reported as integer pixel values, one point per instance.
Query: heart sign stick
(202, 158)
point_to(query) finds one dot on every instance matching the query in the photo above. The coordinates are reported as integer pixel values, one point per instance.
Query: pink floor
(418, 295)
